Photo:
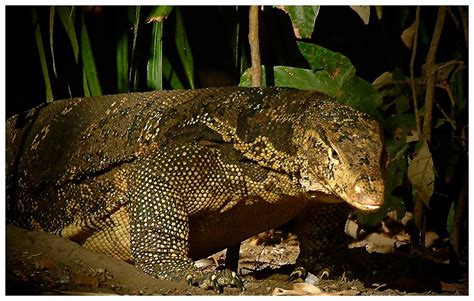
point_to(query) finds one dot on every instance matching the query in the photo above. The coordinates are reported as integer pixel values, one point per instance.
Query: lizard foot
(215, 280)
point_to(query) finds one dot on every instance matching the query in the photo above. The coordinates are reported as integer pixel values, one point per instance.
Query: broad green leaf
(155, 64)
(397, 167)
(42, 56)
(88, 62)
(400, 123)
(402, 104)
(51, 38)
(302, 18)
(421, 174)
(297, 78)
(319, 58)
(122, 63)
(65, 14)
(159, 13)
(360, 95)
(184, 49)
(304, 79)
(170, 75)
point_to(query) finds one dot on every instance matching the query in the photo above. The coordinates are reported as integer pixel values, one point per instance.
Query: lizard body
(158, 178)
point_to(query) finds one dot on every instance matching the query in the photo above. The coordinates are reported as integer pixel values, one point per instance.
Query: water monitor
(160, 178)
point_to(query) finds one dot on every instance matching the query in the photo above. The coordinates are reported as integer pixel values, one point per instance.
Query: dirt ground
(43, 264)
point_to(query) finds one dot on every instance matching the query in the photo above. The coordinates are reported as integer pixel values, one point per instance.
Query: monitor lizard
(161, 178)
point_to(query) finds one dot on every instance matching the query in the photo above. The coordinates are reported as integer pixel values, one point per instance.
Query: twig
(453, 17)
(412, 71)
(255, 47)
(447, 88)
(431, 73)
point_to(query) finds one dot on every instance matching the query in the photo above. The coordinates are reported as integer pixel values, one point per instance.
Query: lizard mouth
(366, 199)
(365, 207)
(360, 201)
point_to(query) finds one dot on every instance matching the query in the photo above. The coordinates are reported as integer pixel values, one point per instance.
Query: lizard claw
(216, 280)
(298, 275)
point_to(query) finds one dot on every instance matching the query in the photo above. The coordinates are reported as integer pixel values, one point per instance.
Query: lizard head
(342, 155)
(335, 150)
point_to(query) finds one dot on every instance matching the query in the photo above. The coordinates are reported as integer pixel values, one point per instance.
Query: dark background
(373, 48)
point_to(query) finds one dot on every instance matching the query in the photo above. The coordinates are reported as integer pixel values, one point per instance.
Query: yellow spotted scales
(160, 178)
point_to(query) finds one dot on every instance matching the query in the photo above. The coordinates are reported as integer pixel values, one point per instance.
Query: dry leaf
(379, 11)
(352, 229)
(379, 243)
(421, 174)
(430, 238)
(301, 289)
(363, 11)
(412, 136)
(408, 34)
(382, 79)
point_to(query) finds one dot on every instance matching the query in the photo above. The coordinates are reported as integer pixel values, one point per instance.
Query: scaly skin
(161, 178)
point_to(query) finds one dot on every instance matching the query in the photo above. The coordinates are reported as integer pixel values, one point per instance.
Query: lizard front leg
(323, 243)
(160, 214)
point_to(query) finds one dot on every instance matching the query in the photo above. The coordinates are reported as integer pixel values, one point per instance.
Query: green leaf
(304, 79)
(360, 95)
(90, 71)
(41, 53)
(133, 73)
(400, 121)
(297, 78)
(397, 167)
(402, 104)
(319, 58)
(159, 13)
(51, 38)
(246, 78)
(122, 63)
(87, 91)
(170, 75)
(450, 218)
(302, 18)
(65, 14)
(184, 49)
(155, 64)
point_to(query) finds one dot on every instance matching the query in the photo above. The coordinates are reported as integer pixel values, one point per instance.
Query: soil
(43, 264)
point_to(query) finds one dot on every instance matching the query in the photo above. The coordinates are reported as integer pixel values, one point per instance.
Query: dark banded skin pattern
(159, 179)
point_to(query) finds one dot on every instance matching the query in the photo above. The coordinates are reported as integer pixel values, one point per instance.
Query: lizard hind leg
(323, 243)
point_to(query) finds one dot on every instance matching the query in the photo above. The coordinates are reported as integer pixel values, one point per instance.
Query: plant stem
(412, 71)
(255, 47)
(431, 73)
